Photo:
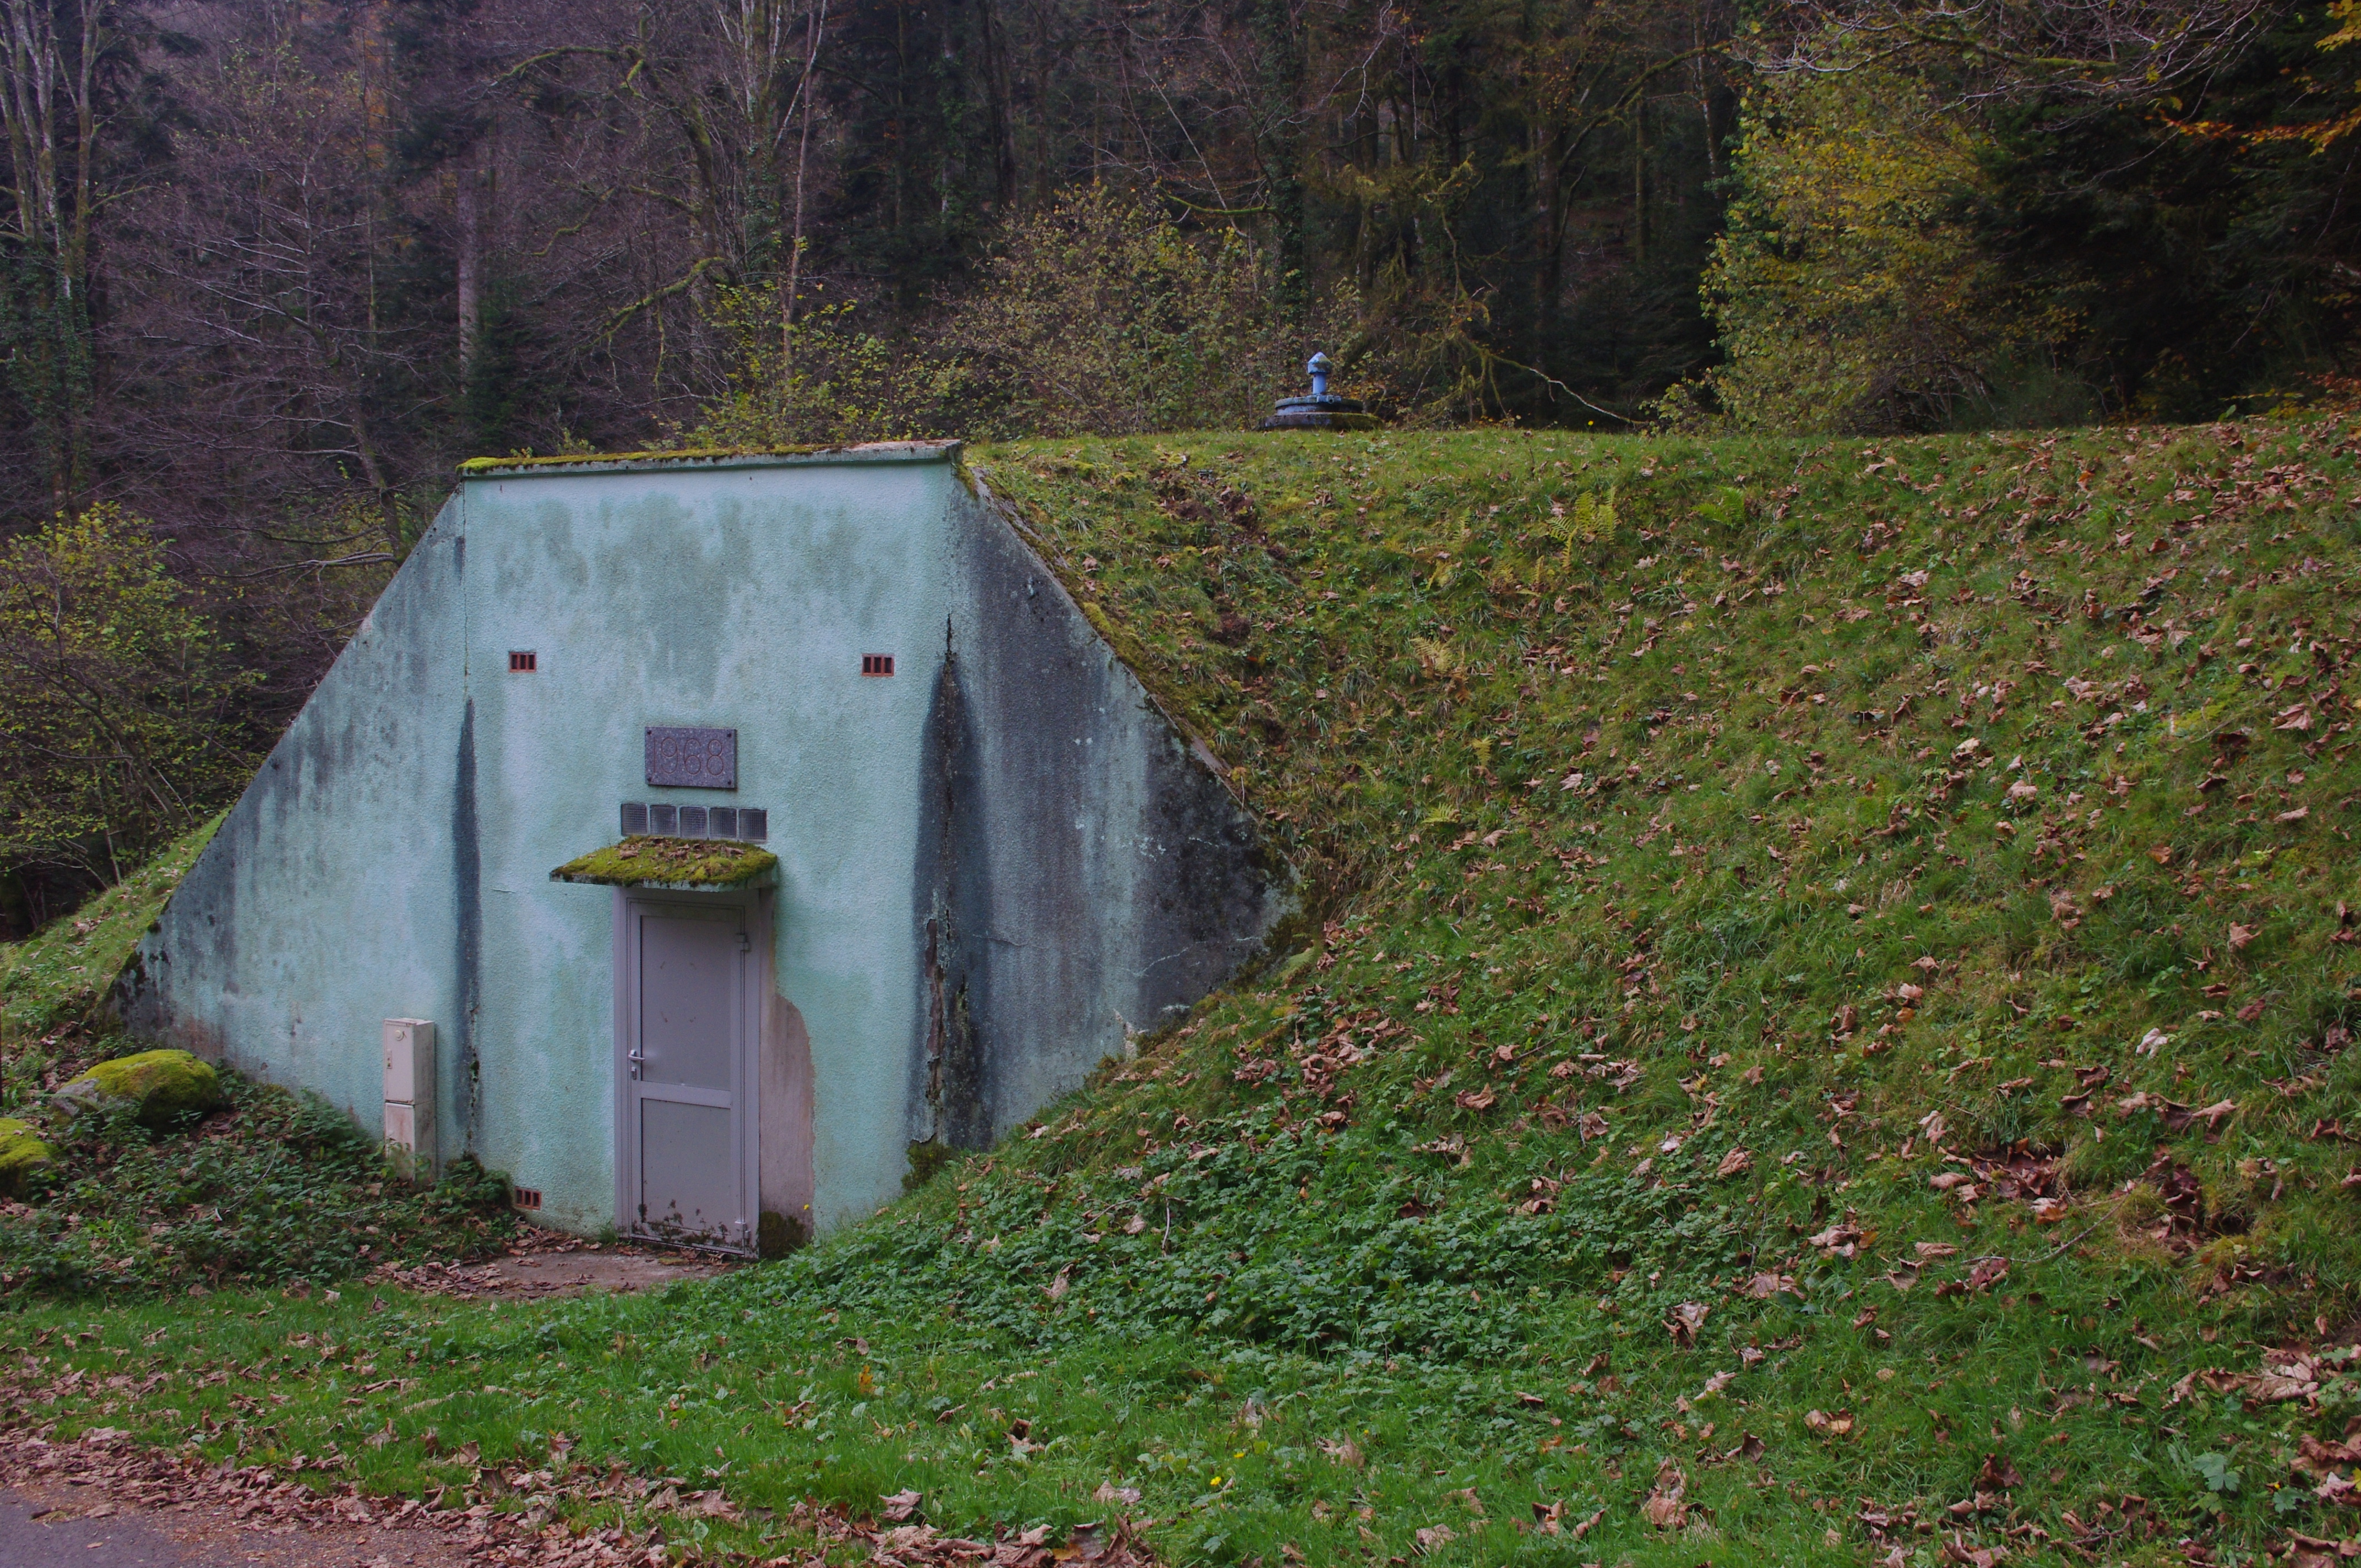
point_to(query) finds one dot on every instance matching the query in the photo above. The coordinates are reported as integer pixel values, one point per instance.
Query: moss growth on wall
(926, 1159)
(777, 1234)
(649, 862)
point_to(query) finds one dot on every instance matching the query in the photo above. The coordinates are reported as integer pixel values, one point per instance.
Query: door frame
(753, 970)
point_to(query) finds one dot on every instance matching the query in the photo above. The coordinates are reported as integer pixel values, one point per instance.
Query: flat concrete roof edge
(571, 465)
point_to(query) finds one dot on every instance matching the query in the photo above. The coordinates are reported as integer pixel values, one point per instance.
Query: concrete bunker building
(702, 839)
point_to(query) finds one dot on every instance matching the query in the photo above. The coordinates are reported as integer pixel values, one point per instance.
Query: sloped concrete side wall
(339, 891)
(1083, 875)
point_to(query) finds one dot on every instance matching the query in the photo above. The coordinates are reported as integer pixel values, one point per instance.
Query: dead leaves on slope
(1666, 1506)
(2285, 1375)
(1686, 1320)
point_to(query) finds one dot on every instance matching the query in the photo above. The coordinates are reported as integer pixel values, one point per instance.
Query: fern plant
(1590, 518)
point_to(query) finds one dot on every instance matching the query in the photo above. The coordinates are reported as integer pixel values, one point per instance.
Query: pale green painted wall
(701, 596)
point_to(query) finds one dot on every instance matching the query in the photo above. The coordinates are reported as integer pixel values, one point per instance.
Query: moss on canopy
(645, 862)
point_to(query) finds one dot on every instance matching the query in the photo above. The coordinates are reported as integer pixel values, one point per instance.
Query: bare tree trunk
(53, 200)
(468, 203)
(803, 164)
(1704, 88)
(1639, 184)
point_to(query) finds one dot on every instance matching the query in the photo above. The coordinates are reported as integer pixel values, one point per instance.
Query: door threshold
(712, 1249)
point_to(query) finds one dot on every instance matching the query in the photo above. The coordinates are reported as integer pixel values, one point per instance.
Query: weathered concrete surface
(991, 866)
(1081, 876)
(327, 901)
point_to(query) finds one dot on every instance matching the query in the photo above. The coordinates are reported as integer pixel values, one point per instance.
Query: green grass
(1672, 941)
(53, 981)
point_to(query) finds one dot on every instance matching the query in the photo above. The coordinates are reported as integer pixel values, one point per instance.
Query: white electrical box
(409, 1096)
(409, 1060)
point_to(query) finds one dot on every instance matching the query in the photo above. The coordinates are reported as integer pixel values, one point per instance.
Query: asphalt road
(47, 1525)
(117, 1540)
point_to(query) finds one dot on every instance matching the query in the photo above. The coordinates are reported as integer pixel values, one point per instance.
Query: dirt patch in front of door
(543, 1263)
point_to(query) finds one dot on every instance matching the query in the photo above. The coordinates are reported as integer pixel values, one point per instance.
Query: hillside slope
(1866, 938)
(1823, 1038)
(52, 983)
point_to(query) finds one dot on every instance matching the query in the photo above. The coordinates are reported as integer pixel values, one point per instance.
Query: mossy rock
(24, 1157)
(165, 1086)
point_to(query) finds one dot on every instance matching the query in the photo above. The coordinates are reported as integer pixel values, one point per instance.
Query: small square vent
(528, 1197)
(877, 664)
(523, 661)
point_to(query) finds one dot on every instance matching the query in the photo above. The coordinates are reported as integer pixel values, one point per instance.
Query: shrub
(1101, 315)
(114, 697)
(1850, 289)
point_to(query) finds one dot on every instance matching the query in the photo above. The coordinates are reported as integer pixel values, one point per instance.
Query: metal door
(686, 1028)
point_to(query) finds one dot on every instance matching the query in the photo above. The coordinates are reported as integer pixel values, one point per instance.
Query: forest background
(270, 268)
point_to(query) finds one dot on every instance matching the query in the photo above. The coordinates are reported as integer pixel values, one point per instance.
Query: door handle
(638, 1061)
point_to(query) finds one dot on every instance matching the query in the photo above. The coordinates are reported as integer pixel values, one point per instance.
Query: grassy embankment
(1831, 1020)
(52, 982)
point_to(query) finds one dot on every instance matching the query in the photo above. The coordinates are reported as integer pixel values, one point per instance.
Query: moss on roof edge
(476, 468)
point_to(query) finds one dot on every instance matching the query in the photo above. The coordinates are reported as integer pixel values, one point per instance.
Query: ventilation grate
(527, 1197)
(877, 664)
(523, 661)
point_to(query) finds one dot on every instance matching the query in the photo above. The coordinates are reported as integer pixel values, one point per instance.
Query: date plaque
(693, 759)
